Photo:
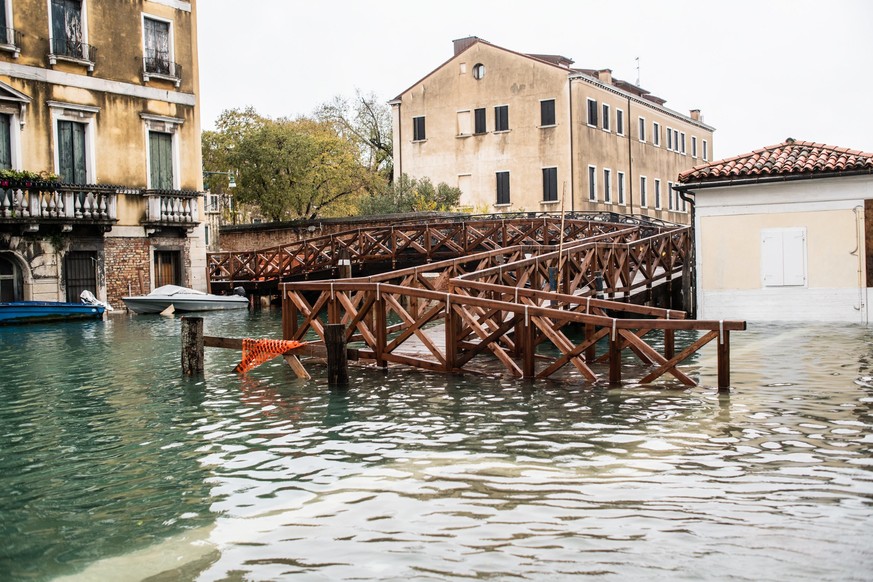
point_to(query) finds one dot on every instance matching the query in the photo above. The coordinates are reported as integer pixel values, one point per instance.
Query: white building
(783, 233)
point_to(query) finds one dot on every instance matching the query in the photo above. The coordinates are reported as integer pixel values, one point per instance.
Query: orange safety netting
(257, 351)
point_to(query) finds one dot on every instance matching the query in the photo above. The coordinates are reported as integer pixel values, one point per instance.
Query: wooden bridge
(521, 293)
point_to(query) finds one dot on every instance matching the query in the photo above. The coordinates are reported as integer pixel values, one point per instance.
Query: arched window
(10, 281)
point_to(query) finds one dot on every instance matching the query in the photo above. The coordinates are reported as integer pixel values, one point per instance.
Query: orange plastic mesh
(257, 351)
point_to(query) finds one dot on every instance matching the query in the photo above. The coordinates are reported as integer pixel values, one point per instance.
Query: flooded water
(114, 467)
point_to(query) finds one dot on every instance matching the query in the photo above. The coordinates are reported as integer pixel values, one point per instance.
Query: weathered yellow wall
(730, 249)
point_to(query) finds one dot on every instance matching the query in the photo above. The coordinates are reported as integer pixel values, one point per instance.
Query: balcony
(72, 50)
(32, 204)
(153, 67)
(10, 41)
(171, 208)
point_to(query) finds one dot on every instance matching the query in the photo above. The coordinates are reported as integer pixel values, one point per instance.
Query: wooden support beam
(337, 363)
(615, 342)
(724, 362)
(192, 346)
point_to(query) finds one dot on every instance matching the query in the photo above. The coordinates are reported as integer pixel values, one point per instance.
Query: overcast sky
(759, 70)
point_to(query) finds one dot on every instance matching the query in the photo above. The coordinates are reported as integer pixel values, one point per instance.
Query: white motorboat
(183, 299)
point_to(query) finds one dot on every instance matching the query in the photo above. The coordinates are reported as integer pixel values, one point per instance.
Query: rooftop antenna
(638, 70)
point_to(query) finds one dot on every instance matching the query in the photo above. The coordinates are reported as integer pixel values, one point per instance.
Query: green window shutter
(72, 163)
(161, 157)
(5, 143)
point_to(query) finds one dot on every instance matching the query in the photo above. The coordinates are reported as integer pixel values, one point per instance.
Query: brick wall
(127, 268)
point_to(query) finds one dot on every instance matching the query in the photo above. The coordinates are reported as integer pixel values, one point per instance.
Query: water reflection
(418, 476)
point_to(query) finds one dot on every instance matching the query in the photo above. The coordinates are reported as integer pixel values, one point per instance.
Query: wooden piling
(724, 362)
(337, 360)
(614, 360)
(192, 346)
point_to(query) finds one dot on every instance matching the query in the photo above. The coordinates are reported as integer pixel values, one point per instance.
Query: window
(8, 35)
(621, 188)
(642, 129)
(478, 71)
(656, 133)
(592, 183)
(605, 117)
(682, 141)
(592, 112)
(502, 188)
(68, 36)
(619, 122)
(705, 153)
(10, 280)
(5, 141)
(161, 160)
(72, 160)
(157, 47)
(479, 120)
(657, 194)
(783, 257)
(547, 112)
(670, 196)
(693, 146)
(644, 198)
(501, 118)
(607, 185)
(464, 127)
(669, 139)
(675, 140)
(418, 133)
(550, 184)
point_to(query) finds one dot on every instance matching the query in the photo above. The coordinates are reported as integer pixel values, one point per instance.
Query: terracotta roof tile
(789, 157)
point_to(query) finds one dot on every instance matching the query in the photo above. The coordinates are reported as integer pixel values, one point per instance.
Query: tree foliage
(290, 168)
(411, 195)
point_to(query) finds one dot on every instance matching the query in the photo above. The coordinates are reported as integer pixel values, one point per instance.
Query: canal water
(114, 467)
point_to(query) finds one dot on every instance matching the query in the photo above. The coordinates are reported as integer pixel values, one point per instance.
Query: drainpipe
(572, 170)
(684, 195)
(630, 160)
(857, 252)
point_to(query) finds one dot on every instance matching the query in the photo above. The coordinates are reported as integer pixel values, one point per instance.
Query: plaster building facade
(102, 94)
(529, 132)
(784, 233)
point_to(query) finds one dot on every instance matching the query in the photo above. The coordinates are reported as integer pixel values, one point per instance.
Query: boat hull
(42, 311)
(156, 304)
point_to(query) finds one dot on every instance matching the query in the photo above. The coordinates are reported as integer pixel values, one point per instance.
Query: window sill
(419, 140)
(463, 135)
(501, 131)
(53, 60)
(506, 205)
(146, 77)
(606, 129)
(481, 133)
(549, 202)
(548, 126)
(589, 125)
(11, 48)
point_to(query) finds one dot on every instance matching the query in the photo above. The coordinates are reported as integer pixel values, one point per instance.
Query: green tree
(289, 168)
(410, 195)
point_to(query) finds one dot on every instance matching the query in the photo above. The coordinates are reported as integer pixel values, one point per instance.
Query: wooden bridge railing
(417, 241)
(508, 331)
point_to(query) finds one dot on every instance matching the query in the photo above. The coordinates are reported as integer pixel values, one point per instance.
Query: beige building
(784, 233)
(102, 94)
(522, 132)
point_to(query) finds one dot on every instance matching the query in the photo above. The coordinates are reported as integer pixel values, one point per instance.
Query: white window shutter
(794, 256)
(771, 258)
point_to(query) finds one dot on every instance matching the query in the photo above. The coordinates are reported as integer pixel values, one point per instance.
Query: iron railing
(10, 37)
(70, 48)
(161, 67)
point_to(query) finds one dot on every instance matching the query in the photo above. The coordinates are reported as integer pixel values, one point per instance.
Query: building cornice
(182, 5)
(29, 73)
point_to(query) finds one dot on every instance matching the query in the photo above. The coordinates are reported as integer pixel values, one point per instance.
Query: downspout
(630, 160)
(572, 165)
(857, 252)
(683, 194)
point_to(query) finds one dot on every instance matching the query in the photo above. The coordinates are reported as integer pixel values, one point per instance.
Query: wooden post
(669, 343)
(614, 360)
(453, 324)
(289, 315)
(345, 264)
(192, 345)
(380, 329)
(724, 362)
(528, 363)
(337, 359)
(590, 351)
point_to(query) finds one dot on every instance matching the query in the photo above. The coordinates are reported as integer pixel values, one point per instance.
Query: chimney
(695, 115)
(462, 44)
(605, 75)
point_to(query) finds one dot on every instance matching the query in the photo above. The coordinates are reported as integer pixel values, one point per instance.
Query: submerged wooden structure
(515, 291)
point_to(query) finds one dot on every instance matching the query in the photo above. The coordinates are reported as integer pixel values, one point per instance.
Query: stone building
(102, 95)
(522, 132)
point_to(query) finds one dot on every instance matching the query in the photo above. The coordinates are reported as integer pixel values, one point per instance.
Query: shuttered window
(550, 184)
(502, 187)
(72, 163)
(479, 115)
(783, 257)
(547, 112)
(464, 123)
(501, 118)
(5, 142)
(156, 40)
(67, 28)
(161, 160)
